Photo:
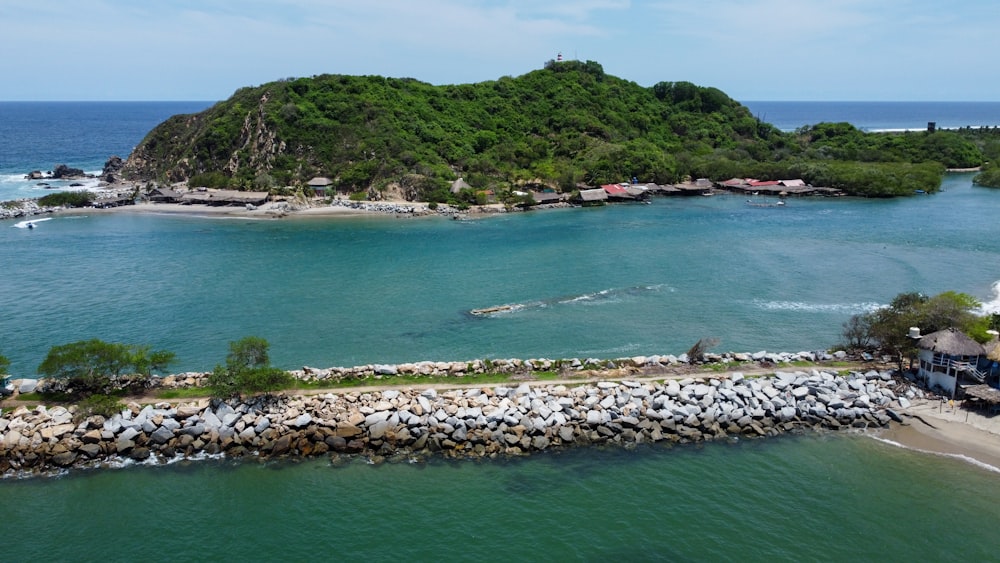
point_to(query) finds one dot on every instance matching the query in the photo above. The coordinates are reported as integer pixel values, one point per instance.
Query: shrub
(216, 180)
(248, 370)
(102, 405)
(90, 367)
(67, 199)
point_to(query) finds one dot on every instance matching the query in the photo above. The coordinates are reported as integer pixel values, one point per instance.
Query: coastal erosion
(487, 421)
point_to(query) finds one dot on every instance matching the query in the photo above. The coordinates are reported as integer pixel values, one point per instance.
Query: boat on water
(30, 224)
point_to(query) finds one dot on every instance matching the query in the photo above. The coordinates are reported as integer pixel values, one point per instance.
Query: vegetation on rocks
(567, 124)
(67, 199)
(248, 370)
(95, 367)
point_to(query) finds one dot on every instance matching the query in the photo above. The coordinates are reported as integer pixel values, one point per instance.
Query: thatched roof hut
(459, 185)
(993, 349)
(984, 393)
(224, 197)
(951, 341)
(165, 195)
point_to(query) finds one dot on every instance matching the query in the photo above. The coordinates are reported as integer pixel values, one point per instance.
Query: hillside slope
(567, 124)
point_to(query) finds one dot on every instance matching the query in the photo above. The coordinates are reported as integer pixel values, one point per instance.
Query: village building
(206, 196)
(165, 195)
(459, 185)
(114, 202)
(596, 196)
(319, 185)
(948, 358)
(546, 197)
(617, 191)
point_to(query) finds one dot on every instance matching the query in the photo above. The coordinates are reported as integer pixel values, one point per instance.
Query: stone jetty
(488, 421)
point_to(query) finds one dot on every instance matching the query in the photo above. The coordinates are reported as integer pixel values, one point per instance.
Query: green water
(610, 282)
(821, 498)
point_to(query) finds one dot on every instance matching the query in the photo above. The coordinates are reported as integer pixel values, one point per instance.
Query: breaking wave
(960, 457)
(803, 307)
(993, 305)
(604, 296)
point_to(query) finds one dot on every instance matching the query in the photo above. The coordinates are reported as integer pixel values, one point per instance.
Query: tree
(247, 370)
(888, 328)
(96, 367)
(4, 364)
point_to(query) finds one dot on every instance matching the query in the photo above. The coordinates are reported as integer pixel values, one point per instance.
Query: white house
(946, 357)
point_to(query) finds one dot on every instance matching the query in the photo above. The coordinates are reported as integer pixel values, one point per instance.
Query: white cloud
(847, 49)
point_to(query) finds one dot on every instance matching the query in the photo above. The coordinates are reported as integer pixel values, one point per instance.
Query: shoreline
(933, 427)
(516, 418)
(372, 420)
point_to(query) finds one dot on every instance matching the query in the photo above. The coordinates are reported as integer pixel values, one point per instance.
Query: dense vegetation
(67, 199)
(95, 367)
(561, 126)
(989, 177)
(887, 329)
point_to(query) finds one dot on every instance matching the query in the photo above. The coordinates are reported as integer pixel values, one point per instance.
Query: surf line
(585, 297)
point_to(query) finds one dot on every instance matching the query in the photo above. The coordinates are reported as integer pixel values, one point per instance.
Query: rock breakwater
(484, 421)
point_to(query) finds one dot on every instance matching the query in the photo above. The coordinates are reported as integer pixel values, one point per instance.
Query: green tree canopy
(887, 329)
(248, 370)
(95, 366)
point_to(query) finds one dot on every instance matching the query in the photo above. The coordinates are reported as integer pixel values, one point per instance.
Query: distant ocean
(40, 135)
(879, 116)
(608, 282)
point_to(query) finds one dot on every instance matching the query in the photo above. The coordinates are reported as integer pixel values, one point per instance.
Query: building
(948, 358)
(204, 196)
(596, 196)
(319, 185)
(546, 197)
(165, 195)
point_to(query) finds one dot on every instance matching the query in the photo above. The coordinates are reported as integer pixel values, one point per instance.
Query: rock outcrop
(112, 170)
(63, 172)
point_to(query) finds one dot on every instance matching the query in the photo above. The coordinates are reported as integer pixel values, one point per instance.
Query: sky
(754, 50)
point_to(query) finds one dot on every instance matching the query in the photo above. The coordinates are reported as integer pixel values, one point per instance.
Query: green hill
(561, 126)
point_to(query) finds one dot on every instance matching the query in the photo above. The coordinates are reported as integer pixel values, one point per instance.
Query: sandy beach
(936, 427)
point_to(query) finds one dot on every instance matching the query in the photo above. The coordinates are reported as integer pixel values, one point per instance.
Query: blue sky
(870, 50)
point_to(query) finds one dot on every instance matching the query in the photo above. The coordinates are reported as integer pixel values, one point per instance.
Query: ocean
(879, 116)
(608, 282)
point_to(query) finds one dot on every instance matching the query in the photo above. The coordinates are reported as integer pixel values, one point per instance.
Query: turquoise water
(812, 498)
(616, 281)
(608, 282)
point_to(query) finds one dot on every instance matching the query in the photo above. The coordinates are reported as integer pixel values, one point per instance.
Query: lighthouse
(559, 57)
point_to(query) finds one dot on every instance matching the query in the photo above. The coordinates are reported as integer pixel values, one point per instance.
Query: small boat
(31, 225)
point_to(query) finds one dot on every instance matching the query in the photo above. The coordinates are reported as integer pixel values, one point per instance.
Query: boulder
(64, 459)
(161, 435)
(63, 171)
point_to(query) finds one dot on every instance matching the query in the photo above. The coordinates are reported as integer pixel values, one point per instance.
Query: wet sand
(934, 426)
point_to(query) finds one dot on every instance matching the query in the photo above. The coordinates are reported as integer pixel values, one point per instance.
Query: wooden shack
(205, 196)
